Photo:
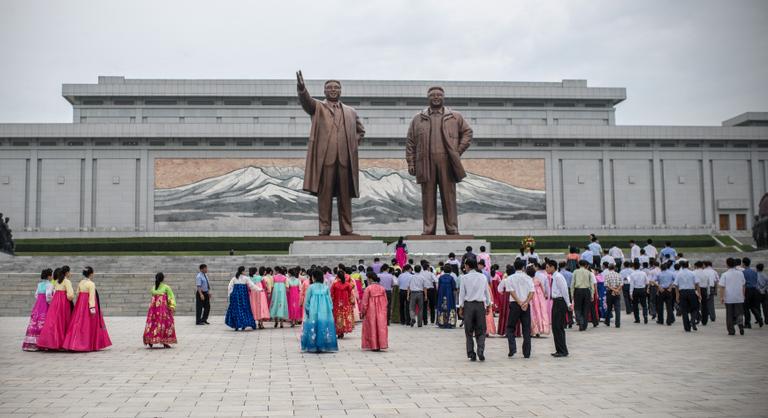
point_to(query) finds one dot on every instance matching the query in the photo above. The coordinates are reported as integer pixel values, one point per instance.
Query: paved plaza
(647, 370)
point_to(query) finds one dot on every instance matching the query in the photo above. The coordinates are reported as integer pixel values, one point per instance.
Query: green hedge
(239, 244)
(256, 244)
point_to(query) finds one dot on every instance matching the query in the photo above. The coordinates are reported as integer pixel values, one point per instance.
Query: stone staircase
(124, 283)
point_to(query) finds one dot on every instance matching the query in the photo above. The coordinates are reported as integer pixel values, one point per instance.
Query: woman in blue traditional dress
(239, 314)
(446, 303)
(319, 330)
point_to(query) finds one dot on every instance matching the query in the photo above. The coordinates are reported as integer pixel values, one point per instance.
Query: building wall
(95, 191)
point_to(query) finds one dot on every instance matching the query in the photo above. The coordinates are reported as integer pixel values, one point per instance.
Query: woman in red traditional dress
(87, 331)
(343, 299)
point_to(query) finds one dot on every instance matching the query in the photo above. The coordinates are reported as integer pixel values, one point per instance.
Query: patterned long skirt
(36, 322)
(160, 328)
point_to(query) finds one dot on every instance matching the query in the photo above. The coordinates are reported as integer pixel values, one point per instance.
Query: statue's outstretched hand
(300, 86)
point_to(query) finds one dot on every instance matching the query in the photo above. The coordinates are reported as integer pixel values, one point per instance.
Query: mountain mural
(387, 197)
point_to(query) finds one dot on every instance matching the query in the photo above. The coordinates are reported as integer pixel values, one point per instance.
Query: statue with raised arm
(437, 138)
(331, 168)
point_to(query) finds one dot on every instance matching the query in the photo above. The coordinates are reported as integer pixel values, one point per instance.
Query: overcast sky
(682, 62)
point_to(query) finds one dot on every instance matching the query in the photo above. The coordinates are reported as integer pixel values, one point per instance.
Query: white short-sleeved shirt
(733, 282)
(520, 283)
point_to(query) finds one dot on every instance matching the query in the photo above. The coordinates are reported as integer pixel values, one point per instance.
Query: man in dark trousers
(583, 293)
(474, 304)
(560, 305)
(404, 283)
(202, 296)
(521, 291)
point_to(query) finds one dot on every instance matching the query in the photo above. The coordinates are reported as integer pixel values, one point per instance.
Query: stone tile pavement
(647, 370)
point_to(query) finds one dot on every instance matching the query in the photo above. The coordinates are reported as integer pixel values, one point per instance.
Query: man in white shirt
(652, 271)
(618, 255)
(643, 259)
(634, 251)
(624, 273)
(596, 249)
(606, 260)
(560, 306)
(430, 297)
(713, 279)
(474, 305)
(521, 291)
(732, 285)
(650, 250)
(452, 259)
(416, 295)
(704, 285)
(587, 256)
(638, 282)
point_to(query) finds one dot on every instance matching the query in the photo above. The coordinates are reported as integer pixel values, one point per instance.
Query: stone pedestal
(442, 244)
(337, 245)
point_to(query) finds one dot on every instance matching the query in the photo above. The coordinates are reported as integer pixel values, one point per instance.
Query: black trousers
(764, 303)
(596, 262)
(638, 299)
(752, 307)
(559, 309)
(405, 314)
(704, 305)
(202, 307)
(652, 296)
(389, 305)
(734, 315)
(665, 299)
(430, 305)
(689, 306)
(613, 306)
(474, 326)
(582, 303)
(627, 300)
(516, 313)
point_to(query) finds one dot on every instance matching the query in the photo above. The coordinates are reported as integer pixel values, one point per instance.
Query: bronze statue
(331, 168)
(437, 138)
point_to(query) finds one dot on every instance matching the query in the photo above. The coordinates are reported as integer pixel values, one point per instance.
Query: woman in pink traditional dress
(496, 277)
(87, 331)
(540, 312)
(374, 313)
(490, 323)
(59, 312)
(401, 253)
(501, 329)
(357, 292)
(160, 327)
(258, 297)
(43, 296)
(305, 283)
(294, 297)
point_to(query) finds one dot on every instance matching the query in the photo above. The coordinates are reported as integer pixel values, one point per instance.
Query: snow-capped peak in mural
(255, 197)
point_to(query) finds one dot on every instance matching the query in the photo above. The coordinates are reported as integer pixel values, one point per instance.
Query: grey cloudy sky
(682, 62)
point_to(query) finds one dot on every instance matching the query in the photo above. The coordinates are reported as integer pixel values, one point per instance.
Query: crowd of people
(529, 298)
